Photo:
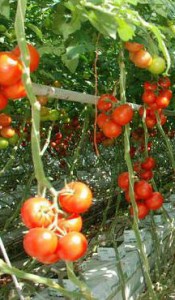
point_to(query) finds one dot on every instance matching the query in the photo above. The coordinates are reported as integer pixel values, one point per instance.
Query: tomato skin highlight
(155, 201)
(40, 242)
(72, 246)
(143, 189)
(7, 132)
(37, 212)
(34, 56)
(123, 114)
(148, 97)
(75, 197)
(10, 68)
(142, 59)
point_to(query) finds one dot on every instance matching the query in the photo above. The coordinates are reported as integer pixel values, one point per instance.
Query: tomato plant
(155, 201)
(123, 180)
(10, 68)
(14, 91)
(143, 189)
(3, 102)
(71, 223)
(123, 114)
(142, 59)
(34, 56)
(106, 101)
(111, 129)
(143, 210)
(157, 65)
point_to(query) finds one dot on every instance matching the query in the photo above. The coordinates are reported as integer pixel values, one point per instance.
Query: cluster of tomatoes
(146, 199)
(143, 59)
(11, 70)
(8, 135)
(156, 97)
(112, 116)
(54, 233)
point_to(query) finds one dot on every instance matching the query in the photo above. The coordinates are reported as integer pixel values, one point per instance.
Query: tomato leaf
(5, 8)
(36, 30)
(71, 64)
(125, 30)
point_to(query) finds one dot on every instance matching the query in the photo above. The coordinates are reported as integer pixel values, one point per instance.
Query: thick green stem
(5, 269)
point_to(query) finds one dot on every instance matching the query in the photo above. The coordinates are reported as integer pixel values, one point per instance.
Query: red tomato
(123, 180)
(162, 101)
(7, 132)
(146, 174)
(142, 59)
(148, 163)
(164, 82)
(72, 223)
(106, 101)
(101, 119)
(51, 259)
(5, 120)
(143, 189)
(34, 56)
(39, 242)
(143, 210)
(133, 46)
(150, 122)
(111, 129)
(75, 197)
(150, 86)
(166, 93)
(163, 119)
(72, 246)
(37, 212)
(123, 114)
(148, 97)
(10, 68)
(15, 91)
(155, 201)
(3, 102)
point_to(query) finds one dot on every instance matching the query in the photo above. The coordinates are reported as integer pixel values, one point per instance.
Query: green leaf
(5, 8)
(36, 30)
(125, 31)
(71, 64)
(103, 22)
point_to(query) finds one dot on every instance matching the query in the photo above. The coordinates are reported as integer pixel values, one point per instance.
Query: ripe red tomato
(155, 201)
(3, 102)
(71, 223)
(164, 82)
(157, 65)
(37, 212)
(123, 114)
(123, 180)
(146, 175)
(75, 197)
(163, 119)
(5, 120)
(148, 163)
(7, 132)
(34, 56)
(111, 129)
(10, 68)
(150, 122)
(162, 101)
(143, 210)
(101, 119)
(143, 189)
(142, 59)
(148, 97)
(39, 242)
(150, 86)
(166, 93)
(15, 91)
(72, 246)
(133, 46)
(51, 259)
(106, 101)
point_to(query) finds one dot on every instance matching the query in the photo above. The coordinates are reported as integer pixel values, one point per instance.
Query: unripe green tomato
(54, 115)
(44, 118)
(2, 28)
(3, 143)
(44, 111)
(13, 140)
(157, 66)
